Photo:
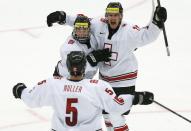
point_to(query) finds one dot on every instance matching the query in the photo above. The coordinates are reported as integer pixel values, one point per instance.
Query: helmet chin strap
(86, 42)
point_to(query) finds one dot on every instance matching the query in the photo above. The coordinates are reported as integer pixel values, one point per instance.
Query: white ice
(29, 51)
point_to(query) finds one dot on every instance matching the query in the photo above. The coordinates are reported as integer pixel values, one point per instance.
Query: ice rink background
(29, 51)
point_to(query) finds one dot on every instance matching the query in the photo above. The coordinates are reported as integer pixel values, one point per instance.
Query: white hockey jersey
(72, 45)
(122, 70)
(77, 105)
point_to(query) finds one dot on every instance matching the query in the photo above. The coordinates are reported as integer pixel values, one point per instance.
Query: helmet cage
(81, 31)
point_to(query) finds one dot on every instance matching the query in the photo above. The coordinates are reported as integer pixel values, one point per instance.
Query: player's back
(76, 105)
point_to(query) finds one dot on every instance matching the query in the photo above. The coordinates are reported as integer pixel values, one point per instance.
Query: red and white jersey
(72, 45)
(77, 105)
(122, 70)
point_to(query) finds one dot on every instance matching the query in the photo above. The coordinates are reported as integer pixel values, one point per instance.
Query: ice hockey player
(78, 102)
(122, 39)
(80, 40)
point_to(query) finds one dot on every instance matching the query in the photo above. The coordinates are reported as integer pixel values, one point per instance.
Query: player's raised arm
(39, 95)
(148, 34)
(61, 18)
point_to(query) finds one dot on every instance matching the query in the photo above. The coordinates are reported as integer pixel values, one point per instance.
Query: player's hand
(143, 98)
(56, 17)
(98, 56)
(160, 16)
(17, 90)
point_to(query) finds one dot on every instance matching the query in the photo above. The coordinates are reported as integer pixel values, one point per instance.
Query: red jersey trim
(123, 77)
(121, 128)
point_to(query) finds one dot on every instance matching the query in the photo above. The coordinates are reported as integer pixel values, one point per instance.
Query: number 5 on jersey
(72, 120)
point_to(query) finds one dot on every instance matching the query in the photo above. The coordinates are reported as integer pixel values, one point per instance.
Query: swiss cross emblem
(71, 42)
(114, 55)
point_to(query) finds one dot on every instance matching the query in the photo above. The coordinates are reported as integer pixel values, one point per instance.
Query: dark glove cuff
(158, 23)
(91, 59)
(143, 98)
(137, 97)
(17, 91)
(62, 17)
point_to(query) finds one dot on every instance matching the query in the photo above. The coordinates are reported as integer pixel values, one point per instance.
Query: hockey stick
(164, 33)
(171, 111)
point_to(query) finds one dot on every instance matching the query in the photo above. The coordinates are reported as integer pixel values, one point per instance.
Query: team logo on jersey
(71, 42)
(114, 55)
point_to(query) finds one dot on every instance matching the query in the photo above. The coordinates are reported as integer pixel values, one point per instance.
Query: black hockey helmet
(114, 7)
(81, 30)
(76, 63)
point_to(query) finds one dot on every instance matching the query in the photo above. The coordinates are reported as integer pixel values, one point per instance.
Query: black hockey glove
(56, 17)
(17, 90)
(160, 16)
(143, 98)
(98, 55)
(56, 70)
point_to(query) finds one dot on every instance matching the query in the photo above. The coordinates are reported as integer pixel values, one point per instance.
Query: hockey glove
(17, 90)
(98, 55)
(160, 16)
(143, 98)
(56, 17)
